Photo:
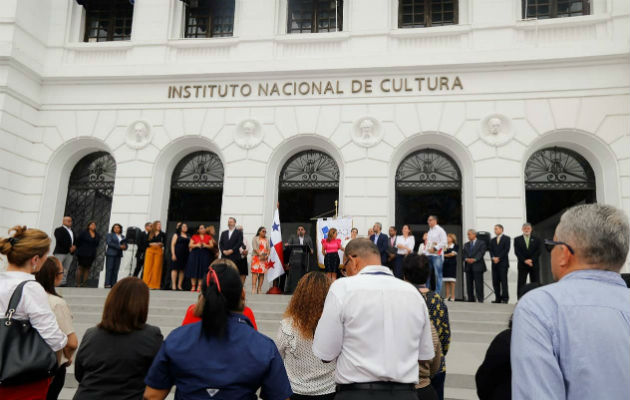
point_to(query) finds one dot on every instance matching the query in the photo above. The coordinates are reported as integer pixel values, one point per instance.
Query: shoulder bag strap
(15, 299)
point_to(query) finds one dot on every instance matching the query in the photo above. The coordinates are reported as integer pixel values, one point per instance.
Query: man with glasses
(527, 249)
(571, 339)
(376, 327)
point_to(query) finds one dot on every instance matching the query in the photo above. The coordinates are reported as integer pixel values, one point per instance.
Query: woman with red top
(195, 311)
(330, 248)
(260, 258)
(200, 257)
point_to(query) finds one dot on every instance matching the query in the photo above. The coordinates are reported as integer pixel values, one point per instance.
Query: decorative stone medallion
(139, 135)
(367, 132)
(496, 130)
(248, 134)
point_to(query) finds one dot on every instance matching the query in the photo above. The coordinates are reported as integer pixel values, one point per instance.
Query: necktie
(527, 242)
(498, 238)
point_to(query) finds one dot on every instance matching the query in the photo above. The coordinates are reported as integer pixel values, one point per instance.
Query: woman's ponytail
(222, 289)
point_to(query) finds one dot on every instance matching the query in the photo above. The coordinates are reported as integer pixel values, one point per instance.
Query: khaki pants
(66, 261)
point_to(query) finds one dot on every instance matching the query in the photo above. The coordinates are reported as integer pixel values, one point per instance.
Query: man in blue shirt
(571, 339)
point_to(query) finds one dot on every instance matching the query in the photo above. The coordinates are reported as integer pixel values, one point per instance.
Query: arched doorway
(90, 192)
(196, 191)
(556, 178)
(428, 182)
(308, 189)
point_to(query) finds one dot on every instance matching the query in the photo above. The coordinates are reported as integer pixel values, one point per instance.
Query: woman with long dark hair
(310, 377)
(87, 246)
(179, 256)
(200, 257)
(115, 355)
(50, 276)
(222, 355)
(116, 244)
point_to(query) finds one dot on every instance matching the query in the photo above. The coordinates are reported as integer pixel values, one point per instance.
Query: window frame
(209, 20)
(428, 20)
(111, 19)
(553, 12)
(315, 20)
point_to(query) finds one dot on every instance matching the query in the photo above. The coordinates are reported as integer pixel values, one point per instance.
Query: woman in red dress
(260, 258)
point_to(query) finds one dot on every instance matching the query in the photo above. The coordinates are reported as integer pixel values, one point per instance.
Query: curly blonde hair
(307, 304)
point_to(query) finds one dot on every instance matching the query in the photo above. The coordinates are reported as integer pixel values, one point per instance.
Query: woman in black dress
(449, 272)
(87, 245)
(179, 256)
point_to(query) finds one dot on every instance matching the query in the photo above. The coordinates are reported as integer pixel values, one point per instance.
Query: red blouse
(191, 318)
(196, 238)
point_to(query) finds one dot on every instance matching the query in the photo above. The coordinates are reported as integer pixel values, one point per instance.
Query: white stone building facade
(488, 92)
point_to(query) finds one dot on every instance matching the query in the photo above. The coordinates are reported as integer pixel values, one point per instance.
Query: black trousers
(139, 265)
(427, 393)
(376, 395)
(500, 282)
(329, 396)
(57, 383)
(474, 285)
(523, 272)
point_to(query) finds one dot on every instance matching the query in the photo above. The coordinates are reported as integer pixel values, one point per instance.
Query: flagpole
(336, 209)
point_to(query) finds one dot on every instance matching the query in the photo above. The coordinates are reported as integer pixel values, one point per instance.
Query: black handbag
(24, 355)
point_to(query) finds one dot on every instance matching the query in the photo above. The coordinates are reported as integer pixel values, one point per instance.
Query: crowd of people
(368, 335)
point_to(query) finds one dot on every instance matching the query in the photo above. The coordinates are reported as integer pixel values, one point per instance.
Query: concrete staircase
(472, 328)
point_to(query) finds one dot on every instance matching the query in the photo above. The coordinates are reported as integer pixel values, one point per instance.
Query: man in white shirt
(436, 243)
(376, 327)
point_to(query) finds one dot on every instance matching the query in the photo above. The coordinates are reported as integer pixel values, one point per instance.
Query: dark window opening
(315, 16)
(209, 18)
(544, 9)
(426, 13)
(107, 20)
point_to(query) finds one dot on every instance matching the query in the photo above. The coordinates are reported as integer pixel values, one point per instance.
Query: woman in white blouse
(310, 377)
(26, 250)
(404, 244)
(422, 249)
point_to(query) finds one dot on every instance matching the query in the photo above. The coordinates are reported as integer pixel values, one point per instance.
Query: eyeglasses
(550, 244)
(348, 258)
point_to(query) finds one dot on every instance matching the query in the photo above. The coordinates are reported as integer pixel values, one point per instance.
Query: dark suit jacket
(113, 245)
(307, 241)
(63, 241)
(494, 376)
(231, 243)
(382, 245)
(523, 253)
(477, 253)
(500, 250)
(143, 239)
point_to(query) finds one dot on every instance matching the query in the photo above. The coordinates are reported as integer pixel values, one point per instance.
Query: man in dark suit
(499, 250)
(230, 241)
(527, 249)
(391, 247)
(474, 266)
(380, 240)
(299, 258)
(64, 246)
(143, 243)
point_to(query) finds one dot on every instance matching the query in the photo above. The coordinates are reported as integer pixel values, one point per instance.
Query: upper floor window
(543, 9)
(209, 18)
(107, 20)
(315, 16)
(425, 13)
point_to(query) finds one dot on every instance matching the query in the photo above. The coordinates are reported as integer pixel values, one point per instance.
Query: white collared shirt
(301, 240)
(230, 233)
(410, 242)
(70, 233)
(376, 326)
(436, 238)
(33, 307)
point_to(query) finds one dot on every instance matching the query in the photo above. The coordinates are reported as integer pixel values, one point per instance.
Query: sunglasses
(550, 244)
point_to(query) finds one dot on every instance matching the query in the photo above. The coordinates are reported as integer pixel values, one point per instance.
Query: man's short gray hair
(380, 226)
(598, 233)
(526, 224)
(474, 232)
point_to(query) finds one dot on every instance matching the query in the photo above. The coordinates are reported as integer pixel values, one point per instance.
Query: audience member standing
(260, 259)
(50, 276)
(65, 246)
(499, 252)
(380, 240)
(416, 270)
(527, 249)
(26, 251)
(405, 244)
(199, 259)
(474, 266)
(154, 258)
(391, 247)
(330, 248)
(179, 256)
(87, 246)
(310, 377)
(221, 356)
(116, 244)
(571, 339)
(436, 243)
(230, 241)
(450, 266)
(143, 243)
(243, 267)
(115, 355)
(376, 327)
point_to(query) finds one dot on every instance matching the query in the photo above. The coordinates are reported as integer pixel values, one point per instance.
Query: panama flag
(276, 262)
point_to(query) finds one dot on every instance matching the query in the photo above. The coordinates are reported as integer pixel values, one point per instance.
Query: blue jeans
(436, 263)
(112, 265)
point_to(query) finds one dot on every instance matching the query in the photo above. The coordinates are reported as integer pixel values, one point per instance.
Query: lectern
(299, 260)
